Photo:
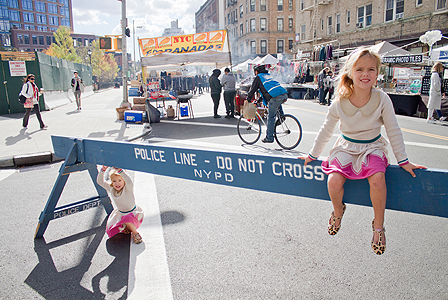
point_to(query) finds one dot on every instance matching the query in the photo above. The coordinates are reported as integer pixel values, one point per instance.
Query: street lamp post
(89, 52)
(124, 60)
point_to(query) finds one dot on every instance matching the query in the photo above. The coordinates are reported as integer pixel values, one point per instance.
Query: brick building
(28, 25)
(259, 27)
(210, 16)
(349, 24)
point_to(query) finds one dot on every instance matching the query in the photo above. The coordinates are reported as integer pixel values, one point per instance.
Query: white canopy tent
(268, 60)
(383, 49)
(440, 54)
(242, 66)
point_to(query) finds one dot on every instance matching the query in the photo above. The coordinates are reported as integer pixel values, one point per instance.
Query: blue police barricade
(425, 194)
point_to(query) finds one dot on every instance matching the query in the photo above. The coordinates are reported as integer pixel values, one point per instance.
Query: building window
(394, 9)
(280, 46)
(20, 39)
(290, 24)
(263, 24)
(253, 48)
(418, 2)
(41, 19)
(16, 25)
(262, 5)
(4, 12)
(4, 25)
(241, 29)
(364, 16)
(290, 42)
(252, 5)
(27, 4)
(330, 25)
(48, 37)
(302, 34)
(34, 39)
(252, 25)
(53, 20)
(14, 15)
(322, 24)
(348, 17)
(65, 12)
(241, 11)
(40, 6)
(28, 27)
(65, 22)
(441, 4)
(41, 40)
(53, 29)
(247, 26)
(302, 4)
(65, 2)
(280, 5)
(338, 23)
(53, 9)
(6, 40)
(41, 28)
(26, 39)
(263, 47)
(279, 24)
(28, 17)
(13, 3)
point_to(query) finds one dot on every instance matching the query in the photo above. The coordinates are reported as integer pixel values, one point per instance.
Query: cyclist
(273, 95)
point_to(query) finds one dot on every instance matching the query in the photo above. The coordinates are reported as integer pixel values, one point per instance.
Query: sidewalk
(97, 119)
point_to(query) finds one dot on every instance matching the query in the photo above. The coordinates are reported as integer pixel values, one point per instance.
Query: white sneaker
(442, 119)
(431, 121)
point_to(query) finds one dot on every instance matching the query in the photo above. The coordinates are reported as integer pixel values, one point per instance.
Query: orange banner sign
(212, 40)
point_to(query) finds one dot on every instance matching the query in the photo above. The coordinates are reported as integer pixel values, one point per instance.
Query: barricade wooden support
(426, 194)
(73, 163)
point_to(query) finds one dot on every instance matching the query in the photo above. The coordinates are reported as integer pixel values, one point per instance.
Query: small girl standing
(127, 216)
(360, 152)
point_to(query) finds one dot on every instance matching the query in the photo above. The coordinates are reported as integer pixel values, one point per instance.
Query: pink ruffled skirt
(116, 221)
(357, 160)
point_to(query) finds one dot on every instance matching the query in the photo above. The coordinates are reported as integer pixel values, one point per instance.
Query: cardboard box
(120, 112)
(139, 100)
(133, 116)
(139, 107)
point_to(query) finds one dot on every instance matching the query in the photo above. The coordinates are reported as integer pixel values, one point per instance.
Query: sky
(95, 17)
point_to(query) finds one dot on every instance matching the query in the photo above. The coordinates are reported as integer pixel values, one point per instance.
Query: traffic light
(105, 43)
(127, 32)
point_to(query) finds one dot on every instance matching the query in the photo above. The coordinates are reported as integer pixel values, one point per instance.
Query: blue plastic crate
(133, 116)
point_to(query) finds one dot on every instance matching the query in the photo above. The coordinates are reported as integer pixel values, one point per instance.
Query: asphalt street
(208, 241)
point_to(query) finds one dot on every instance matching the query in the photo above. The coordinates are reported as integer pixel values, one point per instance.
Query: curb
(28, 160)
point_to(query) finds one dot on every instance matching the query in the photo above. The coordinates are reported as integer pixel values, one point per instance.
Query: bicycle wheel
(249, 130)
(288, 132)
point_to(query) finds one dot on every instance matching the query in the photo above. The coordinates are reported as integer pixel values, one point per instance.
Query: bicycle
(288, 131)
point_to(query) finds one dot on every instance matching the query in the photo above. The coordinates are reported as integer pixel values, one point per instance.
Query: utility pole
(124, 60)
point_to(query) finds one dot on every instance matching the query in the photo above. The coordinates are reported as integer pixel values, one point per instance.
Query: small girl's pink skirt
(356, 161)
(116, 221)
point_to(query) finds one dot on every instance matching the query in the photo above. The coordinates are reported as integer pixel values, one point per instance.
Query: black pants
(27, 116)
(229, 98)
(216, 98)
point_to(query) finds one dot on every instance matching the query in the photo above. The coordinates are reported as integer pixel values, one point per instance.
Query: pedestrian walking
(127, 216)
(78, 87)
(360, 151)
(329, 88)
(321, 85)
(215, 91)
(435, 93)
(32, 93)
(228, 84)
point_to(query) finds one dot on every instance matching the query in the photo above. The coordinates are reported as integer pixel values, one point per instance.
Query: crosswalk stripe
(149, 276)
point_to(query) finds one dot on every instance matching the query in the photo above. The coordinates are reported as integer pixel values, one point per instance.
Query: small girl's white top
(125, 200)
(362, 123)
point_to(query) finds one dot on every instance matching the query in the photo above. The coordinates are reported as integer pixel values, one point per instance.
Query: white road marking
(149, 276)
(5, 173)
(426, 145)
